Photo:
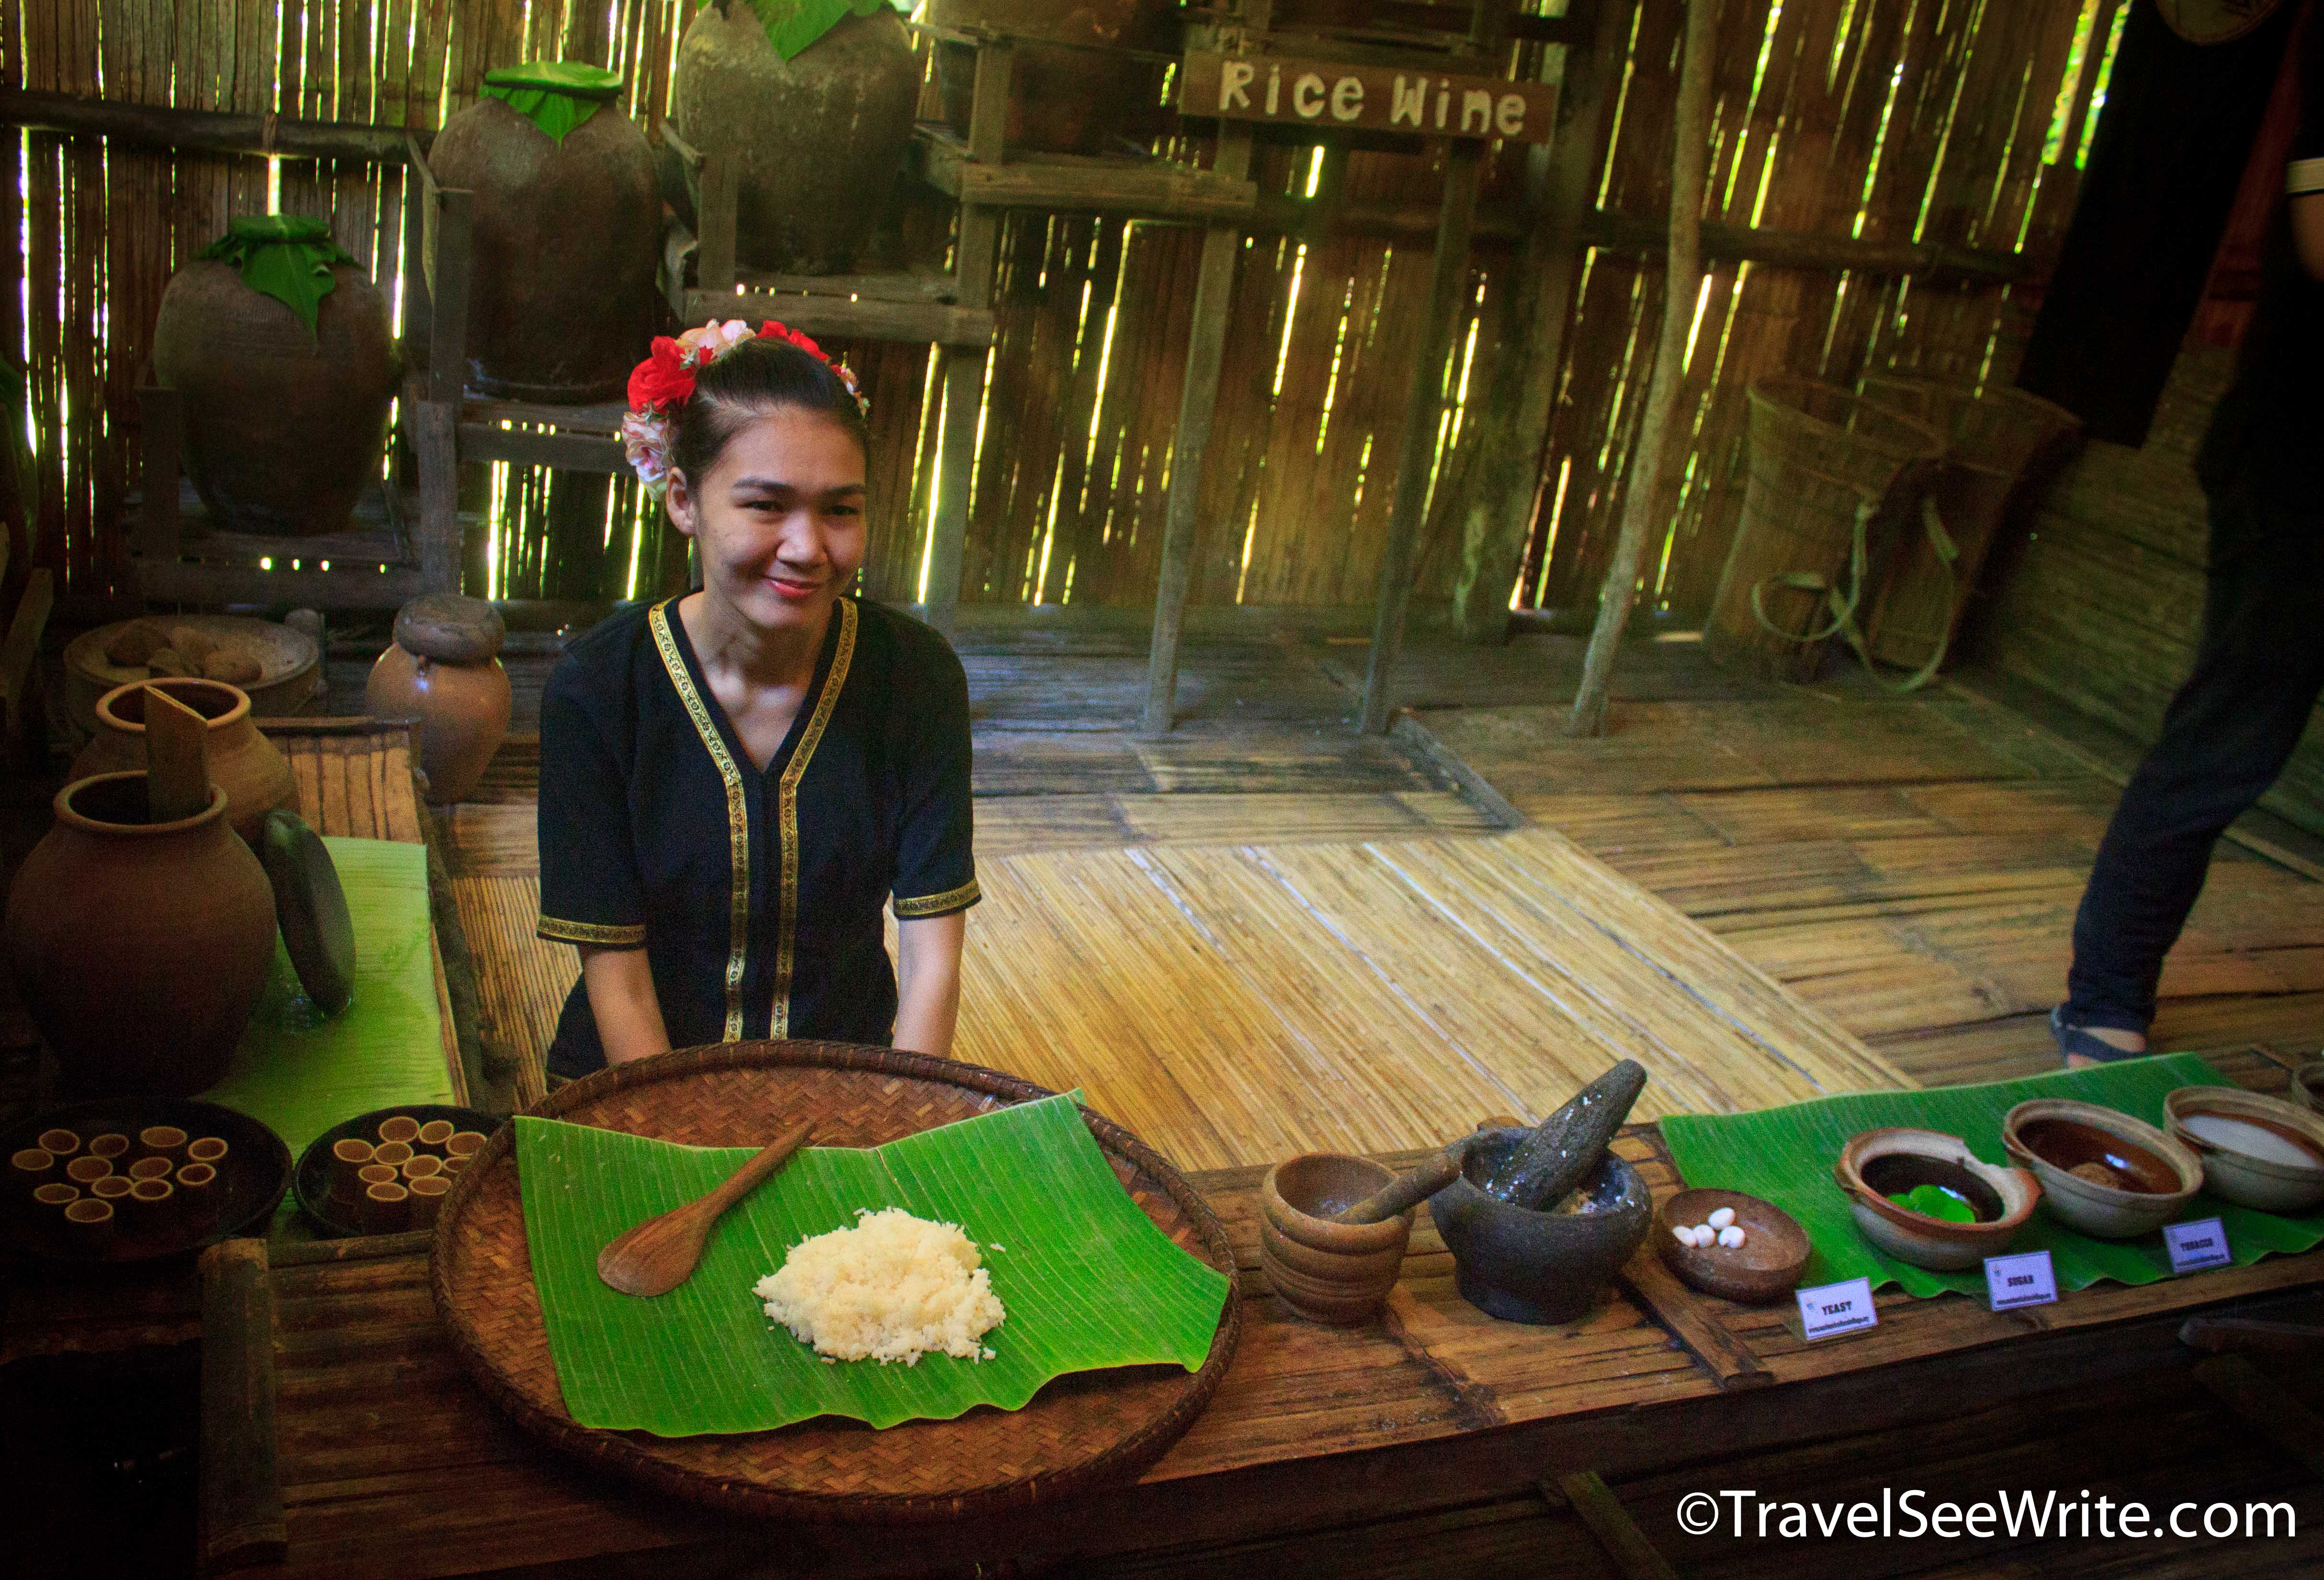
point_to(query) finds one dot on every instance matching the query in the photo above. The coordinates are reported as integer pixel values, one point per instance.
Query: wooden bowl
(290, 669)
(1766, 1267)
(2148, 1179)
(2248, 1181)
(1877, 1163)
(1337, 1274)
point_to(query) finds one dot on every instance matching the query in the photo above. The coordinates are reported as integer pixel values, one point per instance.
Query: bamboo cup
(464, 1144)
(31, 1168)
(454, 1164)
(428, 1193)
(434, 1134)
(349, 1158)
(421, 1167)
(112, 1187)
(111, 1145)
(201, 1197)
(60, 1142)
(56, 1193)
(208, 1149)
(81, 1170)
(400, 1127)
(91, 1223)
(154, 1168)
(394, 1153)
(163, 1141)
(152, 1207)
(385, 1209)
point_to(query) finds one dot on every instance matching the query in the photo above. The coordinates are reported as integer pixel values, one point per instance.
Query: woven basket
(1996, 442)
(1079, 1432)
(1815, 453)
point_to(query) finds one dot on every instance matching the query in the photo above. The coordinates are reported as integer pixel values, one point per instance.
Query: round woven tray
(1080, 1431)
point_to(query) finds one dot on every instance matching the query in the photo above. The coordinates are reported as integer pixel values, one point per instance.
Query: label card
(2197, 1245)
(1828, 1311)
(2026, 1279)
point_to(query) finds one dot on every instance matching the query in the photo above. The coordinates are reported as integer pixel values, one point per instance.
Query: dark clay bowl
(1334, 1274)
(252, 1180)
(1540, 1267)
(311, 1182)
(1766, 1267)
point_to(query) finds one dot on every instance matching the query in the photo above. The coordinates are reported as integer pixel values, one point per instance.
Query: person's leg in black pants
(2226, 737)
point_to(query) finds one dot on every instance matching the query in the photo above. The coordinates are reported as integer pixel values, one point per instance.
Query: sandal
(2073, 1042)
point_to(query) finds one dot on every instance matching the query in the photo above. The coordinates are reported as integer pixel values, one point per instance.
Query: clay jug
(444, 671)
(141, 949)
(1060, 101)
(242, 761)
(820, 137)
(566, 236)
(284, 426)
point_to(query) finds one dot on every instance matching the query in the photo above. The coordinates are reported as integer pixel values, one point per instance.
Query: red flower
(772, 330)
(659, 379)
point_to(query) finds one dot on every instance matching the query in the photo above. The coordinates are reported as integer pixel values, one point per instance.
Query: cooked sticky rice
(892, 1288)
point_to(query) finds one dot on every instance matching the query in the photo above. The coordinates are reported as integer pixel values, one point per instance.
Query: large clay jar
(444, 671)
(567, 237)
(141, 949)
(284, 428)
(242, 761)
(820, 137)
(1060, 101)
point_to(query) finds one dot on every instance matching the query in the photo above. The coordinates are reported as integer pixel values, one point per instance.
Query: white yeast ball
(1723, 1217)
(1730, 1236)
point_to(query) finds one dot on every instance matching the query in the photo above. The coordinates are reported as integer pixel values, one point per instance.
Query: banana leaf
(1087, 1280)
(1784, 1155)
(299, 1071)
(556, 96)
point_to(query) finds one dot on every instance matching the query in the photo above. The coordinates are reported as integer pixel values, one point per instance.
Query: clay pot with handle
(141, 948)
(243, 761)
(444, 671)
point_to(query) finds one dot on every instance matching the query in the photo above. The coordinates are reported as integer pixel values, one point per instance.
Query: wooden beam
(1197, 404)
(569, 451)
(208, 131)
(715, 262)
(1463, 164)
(1688, 157)
(1068, 183)
(432, 429)
(181, 581)
(449, 215)
(1594, 1502)
(870, 318)
(241, 1496)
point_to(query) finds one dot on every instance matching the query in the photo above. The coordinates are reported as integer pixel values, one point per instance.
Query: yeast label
(2026, 1279)
(2197, 1245)
(1828, 1311)
(1328, 95)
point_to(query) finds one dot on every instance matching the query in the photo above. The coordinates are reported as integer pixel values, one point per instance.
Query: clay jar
(568, 233)
(443, 670)
(820, 137)
(141, 949)
(242, 761)
(283, 429)
(1060, 101)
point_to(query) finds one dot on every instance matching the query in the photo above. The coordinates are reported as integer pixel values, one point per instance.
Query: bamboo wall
(1895, 120)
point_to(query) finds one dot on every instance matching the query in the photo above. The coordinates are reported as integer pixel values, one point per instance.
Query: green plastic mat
(556, 96)
(1785, 1155)
(299, 1071)
(1086, 1279)
(287, 256)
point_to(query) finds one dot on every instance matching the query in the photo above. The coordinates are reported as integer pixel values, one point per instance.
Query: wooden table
(373, 1455)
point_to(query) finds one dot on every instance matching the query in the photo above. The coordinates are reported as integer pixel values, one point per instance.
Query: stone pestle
(1559, 1152)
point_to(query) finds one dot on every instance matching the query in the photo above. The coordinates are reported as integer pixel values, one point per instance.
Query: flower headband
(661, 384)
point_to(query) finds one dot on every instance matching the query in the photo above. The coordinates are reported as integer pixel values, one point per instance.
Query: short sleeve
(936, 858)
(589, 890)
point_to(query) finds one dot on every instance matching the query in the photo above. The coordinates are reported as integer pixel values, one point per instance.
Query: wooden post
(974, 255)
(1498, 513)
(448, 293)
(1681, 279)
(241, 1497)
(432, 427)
(715, 264)
(1463, 162)
(1197, 401)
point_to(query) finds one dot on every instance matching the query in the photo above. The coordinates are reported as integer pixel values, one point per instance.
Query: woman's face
(779, 517)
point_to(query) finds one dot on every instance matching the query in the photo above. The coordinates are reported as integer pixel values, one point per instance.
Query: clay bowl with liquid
(1766, 1267)
(2102, 1173)
(1877, 1164)
(1334, 1274)
(2257, 1151)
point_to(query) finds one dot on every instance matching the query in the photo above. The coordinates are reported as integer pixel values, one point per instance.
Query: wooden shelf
(1138, 188)
(586, 438)
(860, 317)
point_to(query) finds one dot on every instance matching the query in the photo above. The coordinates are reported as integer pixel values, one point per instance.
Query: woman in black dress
(734, 783)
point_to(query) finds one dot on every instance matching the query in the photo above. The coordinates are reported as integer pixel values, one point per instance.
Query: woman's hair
(755, 377)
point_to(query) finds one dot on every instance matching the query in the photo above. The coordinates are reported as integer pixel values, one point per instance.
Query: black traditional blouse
(756, 894)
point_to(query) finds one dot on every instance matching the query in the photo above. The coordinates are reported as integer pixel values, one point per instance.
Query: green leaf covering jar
(566, 228)
(819, 133)
(281, 349)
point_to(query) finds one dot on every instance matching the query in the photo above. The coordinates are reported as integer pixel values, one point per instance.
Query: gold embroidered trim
(787, 820)
(966, 894)
(563, 931)
(738, 815)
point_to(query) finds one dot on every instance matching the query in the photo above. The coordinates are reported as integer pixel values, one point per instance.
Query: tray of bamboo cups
(134, 1179)
(388, 1171)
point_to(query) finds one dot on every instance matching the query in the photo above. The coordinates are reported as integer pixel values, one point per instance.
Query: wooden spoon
(661, 1253)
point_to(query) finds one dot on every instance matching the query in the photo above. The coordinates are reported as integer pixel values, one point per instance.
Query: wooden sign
(1332, 95)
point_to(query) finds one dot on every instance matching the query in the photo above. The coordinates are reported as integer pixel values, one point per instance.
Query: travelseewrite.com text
(1910, 1515)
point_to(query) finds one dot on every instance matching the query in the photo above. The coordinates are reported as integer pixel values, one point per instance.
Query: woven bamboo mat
(1239, 1003)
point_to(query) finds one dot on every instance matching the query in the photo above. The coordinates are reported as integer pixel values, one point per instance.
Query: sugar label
(2025, 1279)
